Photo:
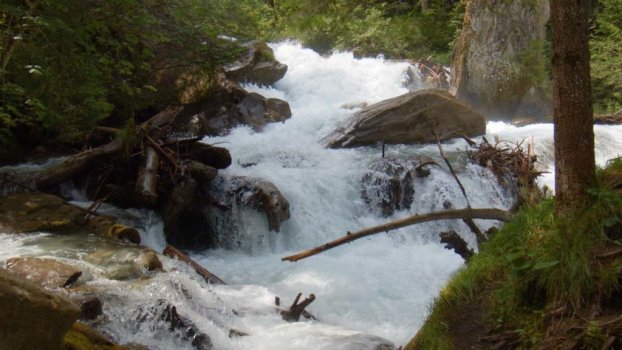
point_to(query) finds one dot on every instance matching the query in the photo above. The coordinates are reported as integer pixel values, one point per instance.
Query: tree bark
(575, 167)
(490, 214)
(146, 185)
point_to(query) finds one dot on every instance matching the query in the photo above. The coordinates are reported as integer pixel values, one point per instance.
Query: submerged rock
(82, 337)
(148, 261)
(263, 196)
(90, 308)
(31, 317)
(163, 316)
(408, 119)
(257, 65)
(388, 186)
(39, 212)
(48, 273)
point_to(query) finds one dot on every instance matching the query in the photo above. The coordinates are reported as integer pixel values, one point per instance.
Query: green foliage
(397, 29)
(606, 56)
(536, 263)
(69, 65)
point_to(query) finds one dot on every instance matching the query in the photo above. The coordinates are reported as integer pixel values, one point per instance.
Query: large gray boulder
(499, 63)
(409, 119)
(31, 317)
(257, 65)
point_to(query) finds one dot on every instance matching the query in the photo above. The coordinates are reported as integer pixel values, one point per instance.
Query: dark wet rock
(388, 186)
(263, 196)
(31, 317)
(257, 65)
(201, 172)
(163, 315)
(123, 233)
(90, 308)
(48, 273)
(227, 106)
(186, 216)
(409, 119)
(39, 212)
(83, 337)
(148, 261)
(254, 110)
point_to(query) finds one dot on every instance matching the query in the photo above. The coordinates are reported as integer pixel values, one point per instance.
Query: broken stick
(468, 213)
(297, 309)
(175, 253)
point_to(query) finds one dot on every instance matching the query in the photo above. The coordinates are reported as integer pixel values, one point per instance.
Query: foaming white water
(379, 286)
(382, 285)
(608, 144)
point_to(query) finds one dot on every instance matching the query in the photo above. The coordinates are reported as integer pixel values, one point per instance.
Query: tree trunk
(572, 105)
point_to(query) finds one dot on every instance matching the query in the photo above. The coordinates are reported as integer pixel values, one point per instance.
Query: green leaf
(541, 265)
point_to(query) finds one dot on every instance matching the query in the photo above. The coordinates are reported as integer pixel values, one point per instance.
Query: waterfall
(374, 288)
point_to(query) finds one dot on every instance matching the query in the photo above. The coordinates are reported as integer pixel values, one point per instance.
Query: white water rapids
(379, 286)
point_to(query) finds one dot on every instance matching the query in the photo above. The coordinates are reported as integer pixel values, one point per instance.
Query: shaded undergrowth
(542, 281)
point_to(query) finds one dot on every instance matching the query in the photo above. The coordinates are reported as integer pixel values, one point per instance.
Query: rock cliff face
(499, 65)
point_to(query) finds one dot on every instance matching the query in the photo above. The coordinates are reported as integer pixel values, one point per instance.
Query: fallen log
(175, 253)
(60, 172)
(468, 213)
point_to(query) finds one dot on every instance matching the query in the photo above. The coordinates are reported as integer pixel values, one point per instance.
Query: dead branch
(512, 165)
(467, 213)
(294, 311)
(175, 253)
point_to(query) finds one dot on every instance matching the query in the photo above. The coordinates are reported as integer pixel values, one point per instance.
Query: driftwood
(293, 313)
(468, 213)
(80, 162)
(512, 165)
(175, 253)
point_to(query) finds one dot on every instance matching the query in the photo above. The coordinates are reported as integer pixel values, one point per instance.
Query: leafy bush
(606, 55)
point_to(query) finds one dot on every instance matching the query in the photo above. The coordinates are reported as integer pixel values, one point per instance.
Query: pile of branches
(513, 165)
(139, 165)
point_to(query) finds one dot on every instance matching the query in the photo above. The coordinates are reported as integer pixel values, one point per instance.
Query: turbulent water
(379, 287)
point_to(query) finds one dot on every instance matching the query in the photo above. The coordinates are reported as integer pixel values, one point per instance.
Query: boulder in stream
(31, 317)
(263, 196)
(226, 106)
(163, 316)
(409, 119)
(48, 273)
(388, 186)
(257, 65)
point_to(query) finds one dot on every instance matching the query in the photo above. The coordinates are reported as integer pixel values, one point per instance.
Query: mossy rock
(83, 337)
